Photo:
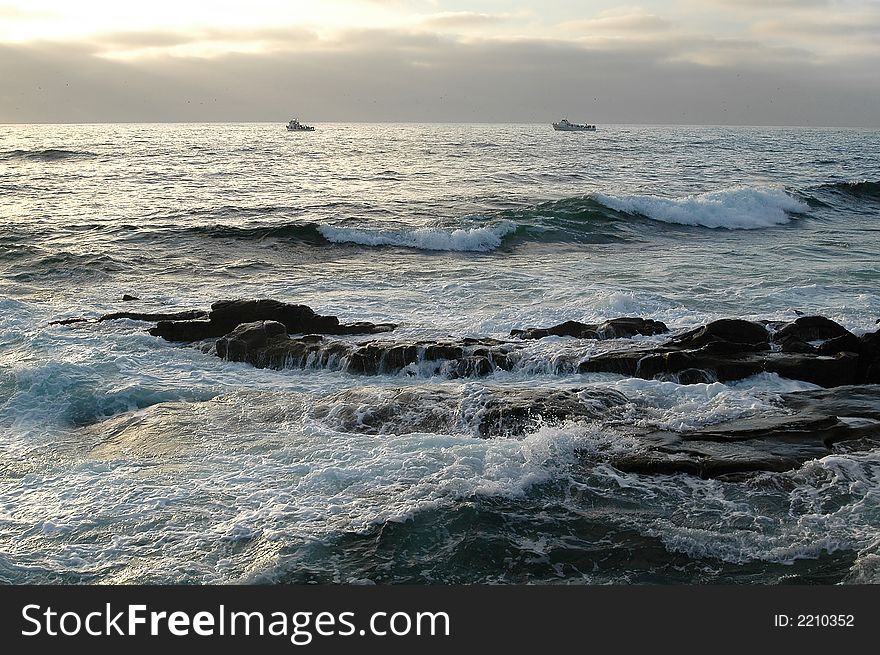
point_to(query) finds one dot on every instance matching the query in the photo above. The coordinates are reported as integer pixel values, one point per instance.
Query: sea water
(125, 458)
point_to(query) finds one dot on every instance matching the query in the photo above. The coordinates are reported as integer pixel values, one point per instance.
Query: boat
(565, 126)
(296, 126)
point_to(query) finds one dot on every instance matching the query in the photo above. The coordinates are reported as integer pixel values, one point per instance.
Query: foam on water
(477, 239)
(741, 208)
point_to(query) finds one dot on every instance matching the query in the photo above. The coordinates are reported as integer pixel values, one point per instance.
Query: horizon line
(433, 122)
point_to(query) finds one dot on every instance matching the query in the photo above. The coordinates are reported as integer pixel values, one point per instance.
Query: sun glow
(60, 20)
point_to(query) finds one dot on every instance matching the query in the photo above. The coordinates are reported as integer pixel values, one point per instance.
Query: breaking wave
(741, 208)
(477, 239)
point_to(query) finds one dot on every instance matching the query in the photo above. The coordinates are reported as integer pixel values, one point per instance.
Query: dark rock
(185, 330)
(515, 411)
(248, 311)
(247, 340)
(812, 328)
(625, 328)
(807, 427)
(694, 376)
(495, 411)
(846, 343)
(69, 321)
(731, 330)
(566, 329)
(154, 317)
(225, 315)
(128, 298)
(872, 339)
(616, 328)
(792, 344)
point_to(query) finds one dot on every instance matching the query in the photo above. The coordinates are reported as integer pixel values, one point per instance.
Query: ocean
(125, 458)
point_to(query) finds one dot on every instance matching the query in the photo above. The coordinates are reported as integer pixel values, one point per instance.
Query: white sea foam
(740, 208)
(477, 239)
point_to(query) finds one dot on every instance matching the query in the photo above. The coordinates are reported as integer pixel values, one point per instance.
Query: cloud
(10, 12)
(460, 19)
(769, 4)
(823, 25)
(629, 23)
(412, 76)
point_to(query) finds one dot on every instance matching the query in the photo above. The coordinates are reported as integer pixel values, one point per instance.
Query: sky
(715, 62)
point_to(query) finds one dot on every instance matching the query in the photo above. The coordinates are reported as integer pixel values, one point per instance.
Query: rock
(809, 427)
(616, 328)
(128, 298)
(792, 344)
(694, 376)
(494, 411)
(184, 330)
(567, 329)
(249, 339)
(516, 411)
(225, 315)
(154, 317)
(297, 318)
(730, 330)
(625, 328)
(845, 343)
(812, 328)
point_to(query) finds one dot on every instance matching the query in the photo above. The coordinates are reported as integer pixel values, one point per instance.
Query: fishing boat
(565, 126)
(296, 126)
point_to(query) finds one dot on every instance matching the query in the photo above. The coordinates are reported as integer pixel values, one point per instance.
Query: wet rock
(808, 426)
(127, 298)
(153, 317)
(225, 315)
(616, 328)
(567, 329)
(792, 344)
(812, 328)
(516, 411)
(625, 328)
(490, 411)
(249, 340)
(845, 343)
(738, 334)
(694, 376)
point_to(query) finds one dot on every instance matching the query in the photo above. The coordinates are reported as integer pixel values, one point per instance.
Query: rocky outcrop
(812, 348)
(806, 425)
(150, 317)
(725, 350)
(732, 349)
(226, 315)
(809, 424)
(616, 328)
(494, 411)
(812, 328)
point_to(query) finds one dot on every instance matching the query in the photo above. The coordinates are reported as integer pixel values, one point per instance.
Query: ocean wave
(476, 239)
(596, 218)
(860, 189)
(306, 232)
(47, 154)
(740, 208)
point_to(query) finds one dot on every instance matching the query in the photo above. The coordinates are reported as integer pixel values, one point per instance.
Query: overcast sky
(753, 62)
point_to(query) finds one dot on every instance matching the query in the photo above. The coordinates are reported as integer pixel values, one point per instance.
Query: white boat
(296, 126)
(565, 126)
